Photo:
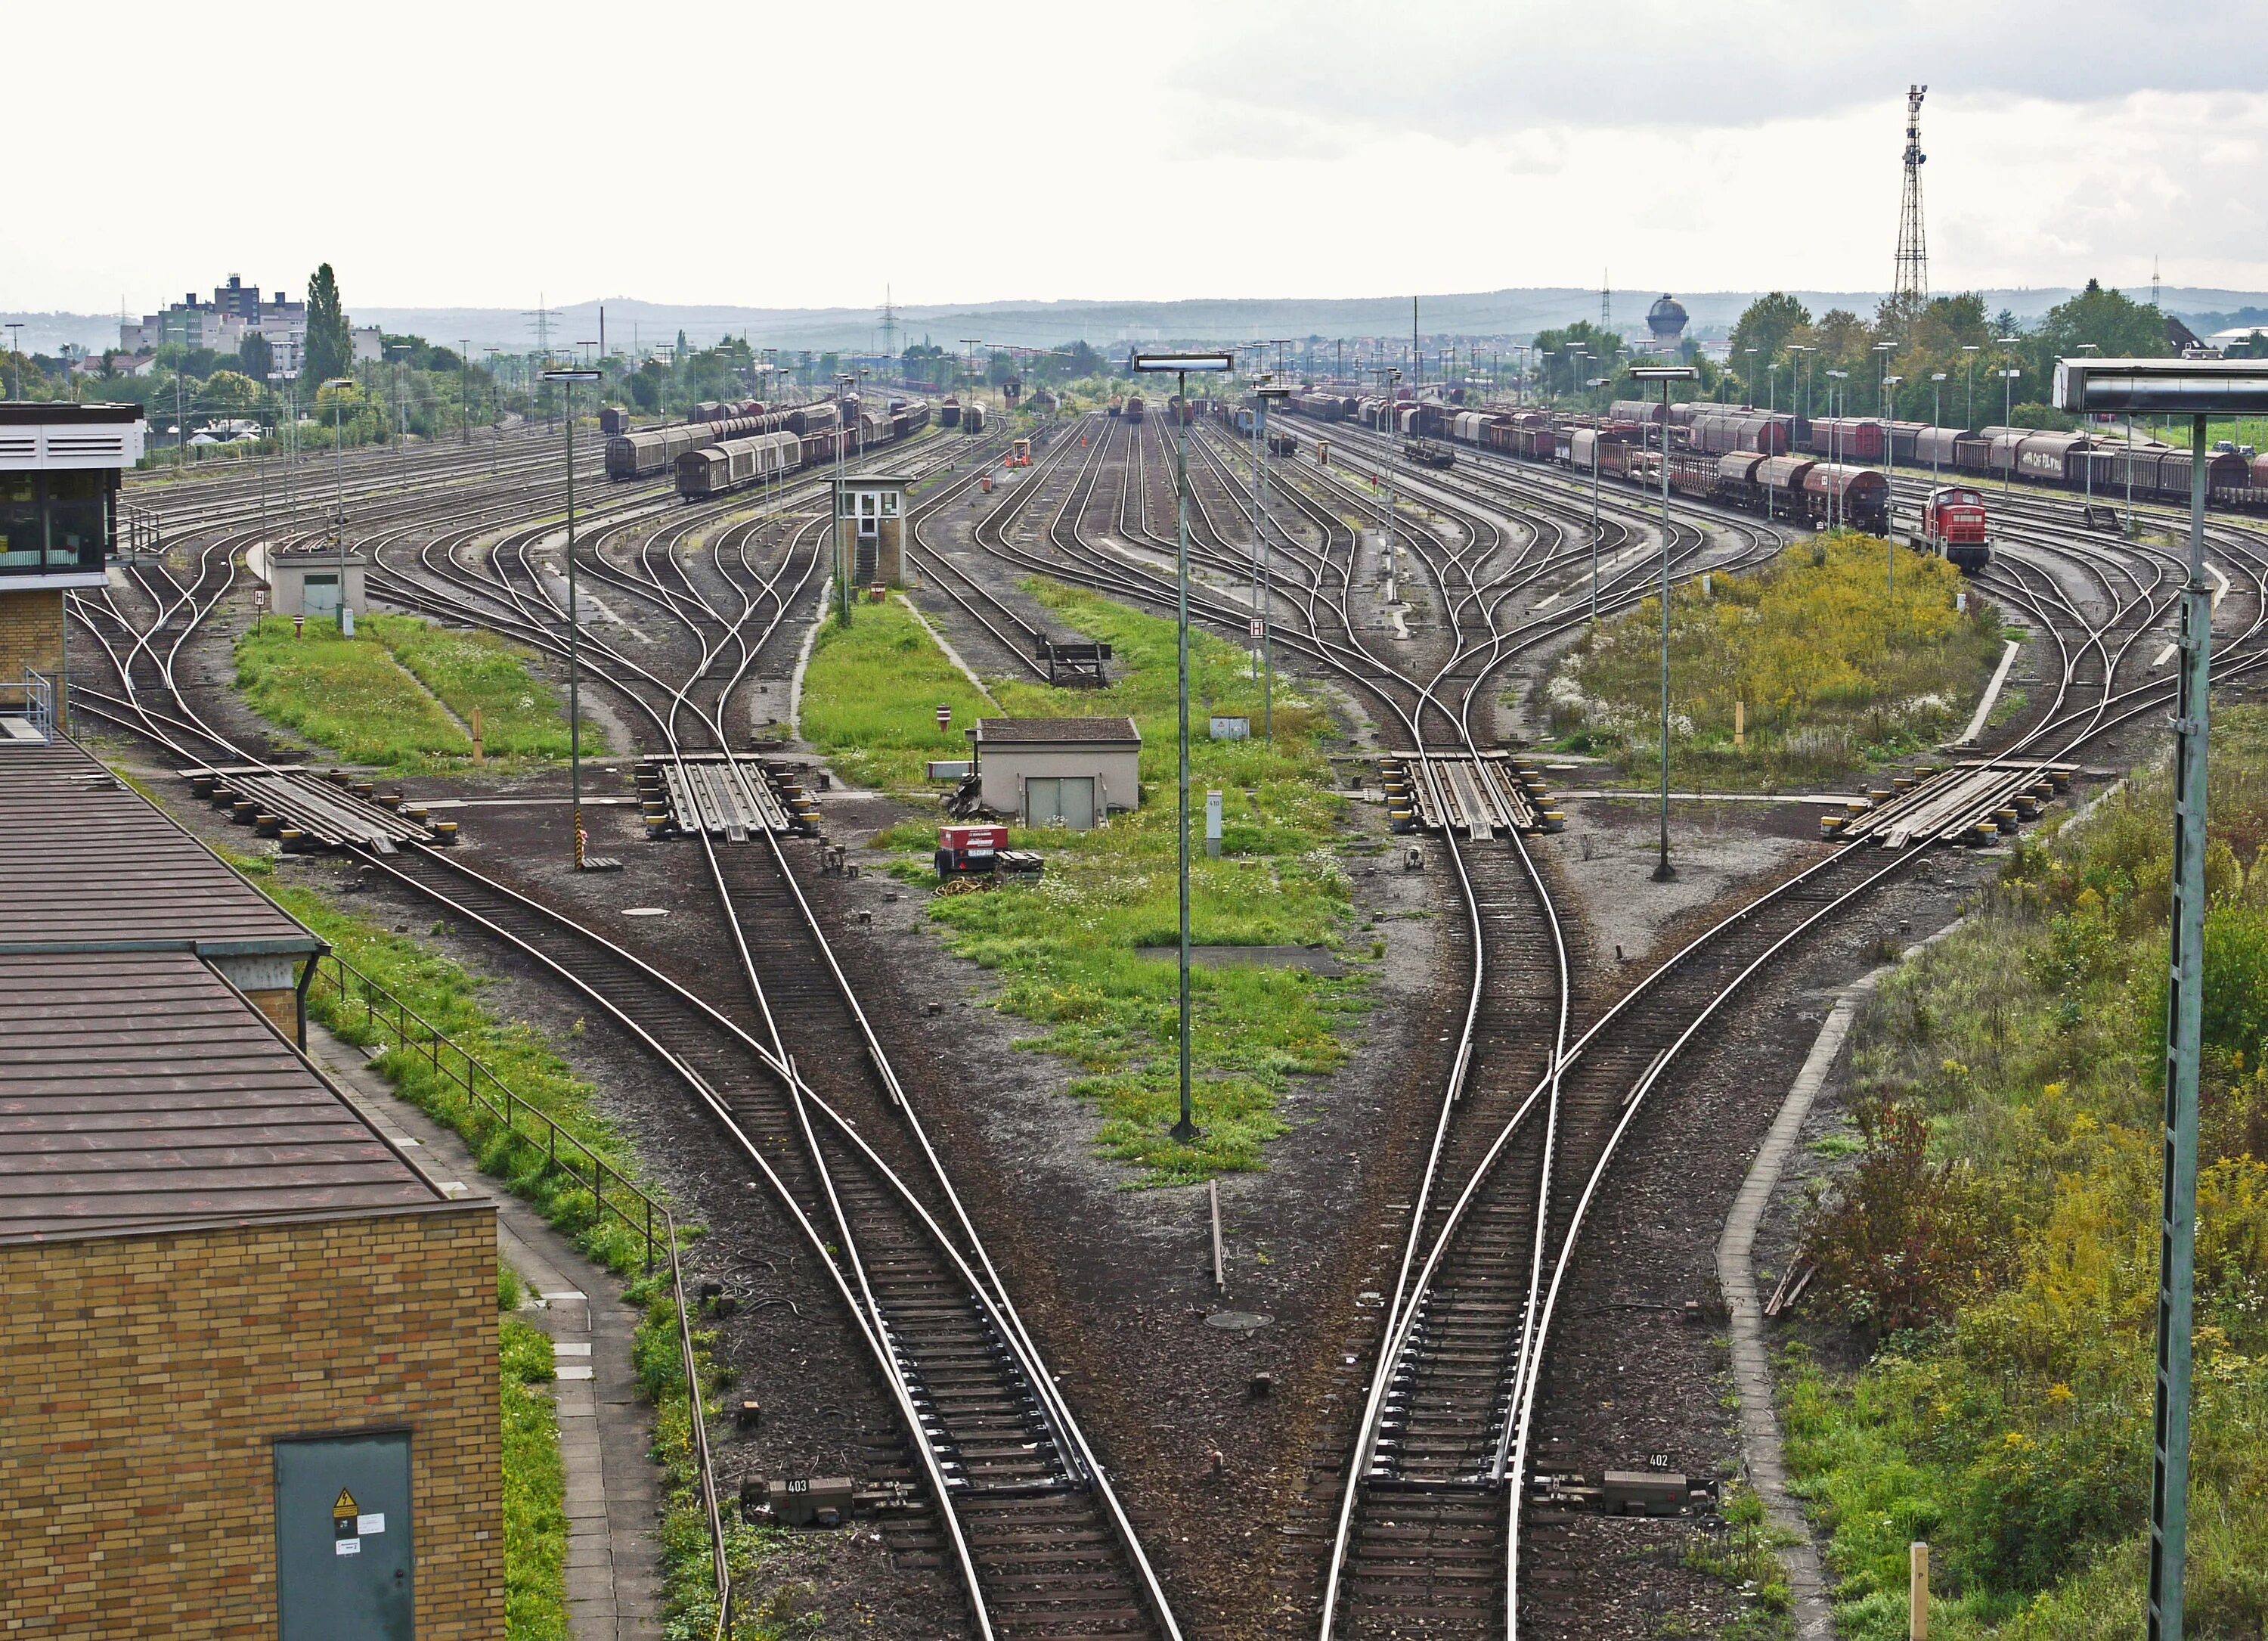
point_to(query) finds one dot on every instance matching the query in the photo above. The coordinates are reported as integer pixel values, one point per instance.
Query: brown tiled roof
(87, 864)
(1008, 729)
(142, 1091)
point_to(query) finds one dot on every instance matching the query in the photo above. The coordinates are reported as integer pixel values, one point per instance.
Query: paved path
(1736, 1277)
(614, 1496)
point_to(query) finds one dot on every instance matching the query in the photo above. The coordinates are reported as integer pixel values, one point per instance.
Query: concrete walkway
(1736, 1277)
(614, 1494)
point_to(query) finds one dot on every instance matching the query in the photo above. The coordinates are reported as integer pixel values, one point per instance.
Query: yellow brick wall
(32, 640)
(143, 1381)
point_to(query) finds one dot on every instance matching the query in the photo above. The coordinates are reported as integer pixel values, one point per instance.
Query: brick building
(248, 1379)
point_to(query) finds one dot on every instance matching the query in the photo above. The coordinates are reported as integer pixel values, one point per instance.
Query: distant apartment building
(236, 310)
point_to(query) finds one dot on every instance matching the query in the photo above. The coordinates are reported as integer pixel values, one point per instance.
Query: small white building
(1059, 771)
(305, 581)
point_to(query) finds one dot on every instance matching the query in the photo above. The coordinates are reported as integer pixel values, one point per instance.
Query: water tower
(1666, 319)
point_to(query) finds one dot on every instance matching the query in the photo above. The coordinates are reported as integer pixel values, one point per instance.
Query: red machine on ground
(980, 852)
(1950, 522)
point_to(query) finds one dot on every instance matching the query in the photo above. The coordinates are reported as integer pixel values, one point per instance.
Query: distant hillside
(1108, 324)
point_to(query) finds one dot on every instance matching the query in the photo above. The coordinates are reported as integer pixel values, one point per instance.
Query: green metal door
(320, 593)
(344, 1565)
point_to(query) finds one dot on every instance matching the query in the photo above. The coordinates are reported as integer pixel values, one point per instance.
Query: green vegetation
(535, 1490)
(449, 997)
(1998, 1236)
(400, 692)
(1065, 948)
(1833, 675)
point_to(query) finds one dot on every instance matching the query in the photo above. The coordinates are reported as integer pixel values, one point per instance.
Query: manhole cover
(1237, 1321)
(645, 911)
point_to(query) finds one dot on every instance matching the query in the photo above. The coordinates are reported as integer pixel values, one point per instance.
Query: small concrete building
(1059, 771)
(305, 581)
(871, 509)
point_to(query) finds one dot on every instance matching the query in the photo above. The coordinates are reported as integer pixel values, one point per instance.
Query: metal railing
(35, 702)
(533, 1129)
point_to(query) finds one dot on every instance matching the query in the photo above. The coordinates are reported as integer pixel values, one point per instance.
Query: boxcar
(717, 469)
(1847, 438)
(1858, 497)
(1649, 410)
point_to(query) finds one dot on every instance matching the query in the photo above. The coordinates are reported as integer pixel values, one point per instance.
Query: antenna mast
(1605, 309)
(1911, 288)
(2154, 302)
(890, 325)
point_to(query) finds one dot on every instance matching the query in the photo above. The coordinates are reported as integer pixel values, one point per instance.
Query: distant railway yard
(1556, 779)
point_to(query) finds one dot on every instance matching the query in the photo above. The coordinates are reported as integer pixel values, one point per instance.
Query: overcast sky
(801, 155)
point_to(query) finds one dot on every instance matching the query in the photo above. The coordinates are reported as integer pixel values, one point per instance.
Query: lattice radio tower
(1911, 288)
(1606, 305)
(890, 325)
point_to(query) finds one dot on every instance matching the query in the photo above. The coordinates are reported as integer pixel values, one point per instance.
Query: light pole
(2008, 375)
(338, 385)
(1890, 538)
(842, 384)
(1663, 872)
(1833, 441)
(1936, 417)
(2194, 388)
(574, 617)
(1180, 366)
(1971, 348)
(2087, 445)
(1595, 382)
(1264, 598)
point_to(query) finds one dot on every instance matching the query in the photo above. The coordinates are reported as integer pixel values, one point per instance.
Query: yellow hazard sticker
(346, 1509)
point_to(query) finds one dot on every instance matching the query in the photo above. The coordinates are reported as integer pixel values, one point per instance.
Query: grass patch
(1996, 1238)
(378, 697)
(521, 717)
(448, 995)
(1064, 947)
(535, 1490)
(1834, 676)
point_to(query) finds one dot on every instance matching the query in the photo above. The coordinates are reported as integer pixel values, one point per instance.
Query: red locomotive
(1950, 524)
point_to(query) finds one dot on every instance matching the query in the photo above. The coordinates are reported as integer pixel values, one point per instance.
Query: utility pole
(465, 386)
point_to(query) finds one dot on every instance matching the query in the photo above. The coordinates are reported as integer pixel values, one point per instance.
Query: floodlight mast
(574, 623)
(2198, 388)
(1663, 872)
(1181, 366)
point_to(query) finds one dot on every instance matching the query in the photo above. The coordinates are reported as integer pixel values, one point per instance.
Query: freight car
(1134, 407)
(1719, 433)
(652, 450)
(948, 414)
(972, 419)
(1282, 445)
(1846, 439)
(1651, 411)
(614, 420)
(1858, 497)
(733, 464)
(1426, 453)
(736, 463)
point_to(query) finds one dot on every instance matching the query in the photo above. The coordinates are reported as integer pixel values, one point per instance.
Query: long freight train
(652, 450)
(732, 464)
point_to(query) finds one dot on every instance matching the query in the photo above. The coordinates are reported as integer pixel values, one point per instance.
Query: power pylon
(1912, 287)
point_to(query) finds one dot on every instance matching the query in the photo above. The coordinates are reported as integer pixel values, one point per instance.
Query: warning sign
(342, 1519)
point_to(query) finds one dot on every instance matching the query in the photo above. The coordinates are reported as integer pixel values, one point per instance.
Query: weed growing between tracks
(1835, 676)
(1998, 1236)
(400, 693)
(1065, 948)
